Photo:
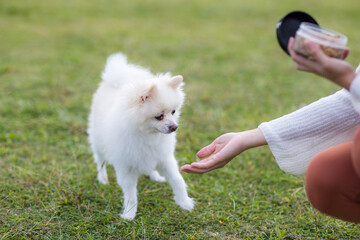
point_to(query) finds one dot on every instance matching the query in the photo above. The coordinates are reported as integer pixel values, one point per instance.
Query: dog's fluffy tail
(118, 71)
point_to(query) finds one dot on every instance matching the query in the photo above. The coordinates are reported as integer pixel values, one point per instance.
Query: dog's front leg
(173, 176)
(128, 182)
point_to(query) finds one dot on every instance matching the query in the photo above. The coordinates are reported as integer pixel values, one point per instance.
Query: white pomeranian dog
(132, 126)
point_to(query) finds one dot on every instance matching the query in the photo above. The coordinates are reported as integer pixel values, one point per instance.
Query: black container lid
(288, 25)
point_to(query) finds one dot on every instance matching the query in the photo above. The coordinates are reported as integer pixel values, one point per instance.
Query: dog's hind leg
(101, 168)
(128, 182)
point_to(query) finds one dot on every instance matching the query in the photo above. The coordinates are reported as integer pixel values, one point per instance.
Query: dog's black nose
(173, 128)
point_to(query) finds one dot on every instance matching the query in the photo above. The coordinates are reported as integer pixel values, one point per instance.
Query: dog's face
(160, 105)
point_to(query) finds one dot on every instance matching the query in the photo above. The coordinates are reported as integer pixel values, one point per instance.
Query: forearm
(346, 80)
(254, 138)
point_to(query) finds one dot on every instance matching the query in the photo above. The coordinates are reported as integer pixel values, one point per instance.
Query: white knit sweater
(295, 138)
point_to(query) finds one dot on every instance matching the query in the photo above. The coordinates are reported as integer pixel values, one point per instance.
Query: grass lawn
(52, 54)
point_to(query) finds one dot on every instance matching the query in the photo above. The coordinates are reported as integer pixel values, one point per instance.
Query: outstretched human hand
(224, 149)
(336, 70)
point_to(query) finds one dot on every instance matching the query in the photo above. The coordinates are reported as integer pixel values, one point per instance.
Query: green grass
(52, 54)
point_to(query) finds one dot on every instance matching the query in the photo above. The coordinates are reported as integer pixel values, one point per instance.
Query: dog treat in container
(332, 43)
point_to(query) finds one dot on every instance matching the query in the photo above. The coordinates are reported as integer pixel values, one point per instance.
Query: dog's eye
(173, 112)
(160, 117)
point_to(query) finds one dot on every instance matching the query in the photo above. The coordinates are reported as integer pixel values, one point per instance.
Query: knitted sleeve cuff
(294, 139)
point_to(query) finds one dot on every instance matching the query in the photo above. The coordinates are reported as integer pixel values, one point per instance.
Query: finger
(185, 167)
(206, 151)
(202, 161)
(291, 50)
(214, 160)
(315, 51)
(193, 169)
(190, 169)
(297, 58)
(205, 163)
(290, 45)
(305, 64)
(301, 67)
(195, 164)
(346, 53)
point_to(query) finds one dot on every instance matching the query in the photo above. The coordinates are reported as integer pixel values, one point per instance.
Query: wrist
(254, 138)
(347, 80)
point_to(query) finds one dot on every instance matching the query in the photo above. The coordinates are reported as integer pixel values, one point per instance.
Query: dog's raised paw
(155, 176)
(185, 203)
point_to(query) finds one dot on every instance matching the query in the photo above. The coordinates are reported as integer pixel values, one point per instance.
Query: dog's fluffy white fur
(132, 126)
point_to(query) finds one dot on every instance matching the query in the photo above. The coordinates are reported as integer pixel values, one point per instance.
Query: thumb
(315, 51)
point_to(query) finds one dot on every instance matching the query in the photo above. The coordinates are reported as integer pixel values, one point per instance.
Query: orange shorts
(332, 181)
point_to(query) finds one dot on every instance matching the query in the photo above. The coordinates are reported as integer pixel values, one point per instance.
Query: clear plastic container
(332, 43)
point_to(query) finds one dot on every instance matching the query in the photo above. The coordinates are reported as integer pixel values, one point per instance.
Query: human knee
(355, 152)
(319, 183)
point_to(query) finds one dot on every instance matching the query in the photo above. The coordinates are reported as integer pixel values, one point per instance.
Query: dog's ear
(176, 81)
(148, 94)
